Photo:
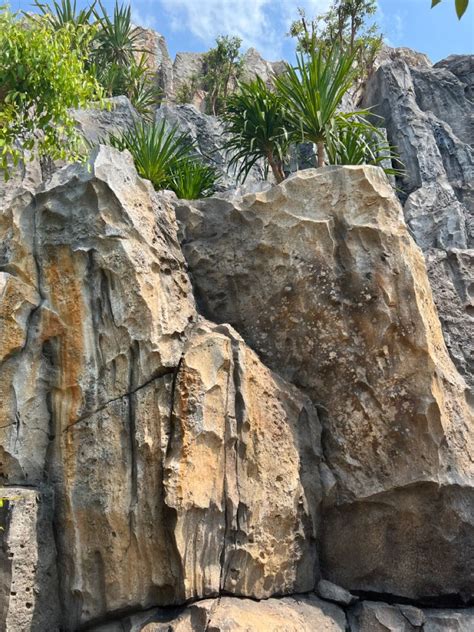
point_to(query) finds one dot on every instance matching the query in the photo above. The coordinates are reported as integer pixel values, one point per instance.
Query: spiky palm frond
(256, 124)
(313, 90)
(156, 150)
(353, 140)
(191, 179)
(117, 38)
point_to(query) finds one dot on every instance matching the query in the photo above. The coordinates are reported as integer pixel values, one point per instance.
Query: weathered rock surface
(181, 466)
(373, 616)
(97, 124)
(301, 613)
(28, 575)
(428, 113)
(321, 277)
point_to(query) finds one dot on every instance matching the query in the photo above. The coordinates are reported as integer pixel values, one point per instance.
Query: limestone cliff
(242, 413)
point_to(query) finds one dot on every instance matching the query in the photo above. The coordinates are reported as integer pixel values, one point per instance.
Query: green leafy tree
(222, 69)
(42, 75)
(347, 24)
(312, 93)
(460, 6)
(256, 124)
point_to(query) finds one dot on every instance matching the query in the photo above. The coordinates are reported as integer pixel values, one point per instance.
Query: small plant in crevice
(166, 158)
(191, 179)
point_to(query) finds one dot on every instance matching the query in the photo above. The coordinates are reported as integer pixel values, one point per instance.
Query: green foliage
(42, 75)
(460, 5)
(222, 67)
(313, 90)
(117, 40)
(191, 179)
(186, 91)
(352, 140)
(156, 151)
(164, 156)
(347, 24)
(114, 53)
(256, 123)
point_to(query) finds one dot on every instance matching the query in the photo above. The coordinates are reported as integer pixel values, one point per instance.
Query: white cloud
(262, 24)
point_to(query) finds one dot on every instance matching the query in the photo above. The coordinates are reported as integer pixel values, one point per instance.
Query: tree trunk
(320, 146)
(277, 168)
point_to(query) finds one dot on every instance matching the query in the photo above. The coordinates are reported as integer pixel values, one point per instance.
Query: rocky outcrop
(95, 125)
(321, 277)
(428, 116)
(181, 466)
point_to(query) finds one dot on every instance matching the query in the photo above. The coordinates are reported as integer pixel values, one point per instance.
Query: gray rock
(254, 64)
(449, 620)
(96, 124)
(158, 58)
(463, 67)
(28, 578)
(333, 592)
(376, 616)
(207, 133)
(428, 113)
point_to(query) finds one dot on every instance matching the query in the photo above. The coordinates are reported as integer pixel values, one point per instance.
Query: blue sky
(192, 25)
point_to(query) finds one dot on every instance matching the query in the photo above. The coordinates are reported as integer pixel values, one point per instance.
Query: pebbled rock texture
(321, 278)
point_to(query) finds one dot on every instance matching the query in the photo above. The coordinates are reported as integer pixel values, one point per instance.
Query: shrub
(352, 140)
(43, 74)
(191, 179)
(156, 150)
(256, 122)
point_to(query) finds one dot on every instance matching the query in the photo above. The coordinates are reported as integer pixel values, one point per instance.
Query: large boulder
(427, 112)
(321, 277)
(181, 466)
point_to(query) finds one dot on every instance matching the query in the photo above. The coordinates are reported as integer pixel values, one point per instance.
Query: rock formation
(332, 292)
(428, 113)
(242, 413)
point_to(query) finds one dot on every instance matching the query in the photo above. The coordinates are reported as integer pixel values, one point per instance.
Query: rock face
(199, 437)
(332, 292)
(181, 466)
(207, 134)
(428, 113)
(28, 575)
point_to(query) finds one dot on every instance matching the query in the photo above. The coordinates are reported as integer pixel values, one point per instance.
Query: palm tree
(312, 92)
(255, 121)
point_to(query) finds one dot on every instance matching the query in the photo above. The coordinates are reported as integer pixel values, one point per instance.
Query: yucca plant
(142, 90)
(313, 90)
(117, 38)
(353, 140)
(58, 14)
(156, 150)
(255, 120)
(191, 179)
